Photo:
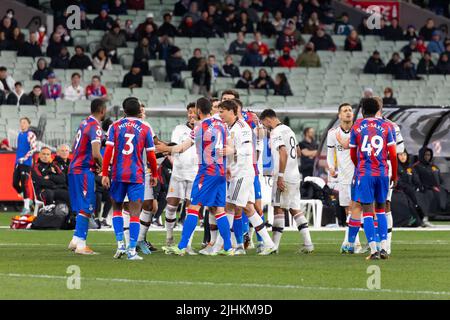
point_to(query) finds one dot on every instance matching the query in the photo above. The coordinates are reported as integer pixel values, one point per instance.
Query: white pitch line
(225, 284)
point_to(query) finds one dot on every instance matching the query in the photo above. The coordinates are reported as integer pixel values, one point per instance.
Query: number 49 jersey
(130, 137)
(371, 137)
(280, 136)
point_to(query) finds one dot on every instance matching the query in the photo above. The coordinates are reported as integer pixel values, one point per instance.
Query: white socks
(171, 216)
(256, 221)
(277, 228)
(126, 227)
(302, 226)
(345, 242)
(213, 233)
(145, 217)
(26, 203)
(390, 224)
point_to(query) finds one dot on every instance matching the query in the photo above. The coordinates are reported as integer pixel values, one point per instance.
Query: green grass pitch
(33, 265)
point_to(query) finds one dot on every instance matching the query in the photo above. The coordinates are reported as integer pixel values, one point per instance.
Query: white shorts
(180, 189)
(345, 194)
(289, 198)
(240, 191)
(148, 190)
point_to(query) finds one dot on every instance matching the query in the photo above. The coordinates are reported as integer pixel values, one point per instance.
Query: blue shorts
(134, 191)
(257, 186)
(209, 191)
(82, 192)
(368, 189)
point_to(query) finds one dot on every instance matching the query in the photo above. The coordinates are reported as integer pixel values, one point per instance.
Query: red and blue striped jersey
(209, 135)
(130, 137)
(371, 137)
(89, 132)
(253, 121)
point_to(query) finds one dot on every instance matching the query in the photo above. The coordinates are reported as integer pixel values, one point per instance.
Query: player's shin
(302, 226)
(390, 224)
(345, 242)
(261, 229)
(277, 228)
(188, 228)
(224, 229)
(377, 235)
(353, 229)
(212, 228)
(382, 227)
(134, 233)
(145, 220)
(126, 226)
(237, 227)
(369, 230)
(171, 218)
(230, 218)
(117, 222)
(81, 229)
(258, 236)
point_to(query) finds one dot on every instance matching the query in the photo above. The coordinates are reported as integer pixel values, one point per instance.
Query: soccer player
(241, 172)
(184, 170)
(241, 227)
(209, 187)
(372, 143)
(26, 146)
(345, 167)
(127, 139)
(87, 159)
(286, 177)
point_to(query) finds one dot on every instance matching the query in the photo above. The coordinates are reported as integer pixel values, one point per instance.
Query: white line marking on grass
(225, 284)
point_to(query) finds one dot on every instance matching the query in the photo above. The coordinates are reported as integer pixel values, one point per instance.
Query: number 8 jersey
(280, 136)
(129, 137)
(371, 137)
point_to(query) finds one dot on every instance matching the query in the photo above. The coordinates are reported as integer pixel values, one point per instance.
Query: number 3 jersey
(130, 137)
(280, 136)
(371, 137)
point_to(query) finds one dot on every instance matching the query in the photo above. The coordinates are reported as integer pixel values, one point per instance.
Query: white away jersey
(282, 135)
(241, 163)
(337, 153)
(185, 165)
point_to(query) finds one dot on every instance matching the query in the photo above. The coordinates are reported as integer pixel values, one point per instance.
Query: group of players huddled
(216, 166)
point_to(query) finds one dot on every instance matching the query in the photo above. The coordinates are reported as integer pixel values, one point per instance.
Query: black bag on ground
(51, 218)
(404, 213)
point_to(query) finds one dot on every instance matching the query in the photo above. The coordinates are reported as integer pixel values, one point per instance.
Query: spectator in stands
(42, 37)
(257, 5)
(36, 96)
(215, 69)
(410, 33)
(263, 49)
(193, 11)
(62, 160)
(55, 45)
(447, 47)
(388, 98)
(271, 60)
(288, 8)
(363, 29)
(327, 17)
(80, 60)
(75, 91)
(307, 150)
(118, 8)
(96, 90)
(4, 146)
(18, 96)
(407, 71)
(2, 97)
(181, 8)
(112, 40)
(174, 65)
(52, 89)
(62, 60)
(410, 48)
(309, 57)
(265, 27)
(228, 20)
(187, 27)
(252, 58)
(352, 42)
(244, 24)
(65, 35)
(213, 30)
(6, 81)
(421, 47)
(129, 30)
(264, 81)
(103, 21)
(148, 20)
(136, 4)
(244, 6)
(443, 65)
(312, 25)
(101, 61)
(426, 65)
(374, 65)
(5, 44)
(394, 65)
(31, 48)
(436, 45)
(287, 38)
(230, 69)
(164, 48)
(42, 70)
(367, 92)
(18, 39)
(343, 26)
(394, 32)
(285, 60)
(7, 27)
(49, 181)
(133, 79)
(246, 81)
(142, 54)
(85, 22)
(278, 21)
(194, 60)
(167, 28)
(281, 85)
(427, 30)
(323, 41)
(147, 32)
(10, 15)
(380, 31)
(238, 46)
(201, 78)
